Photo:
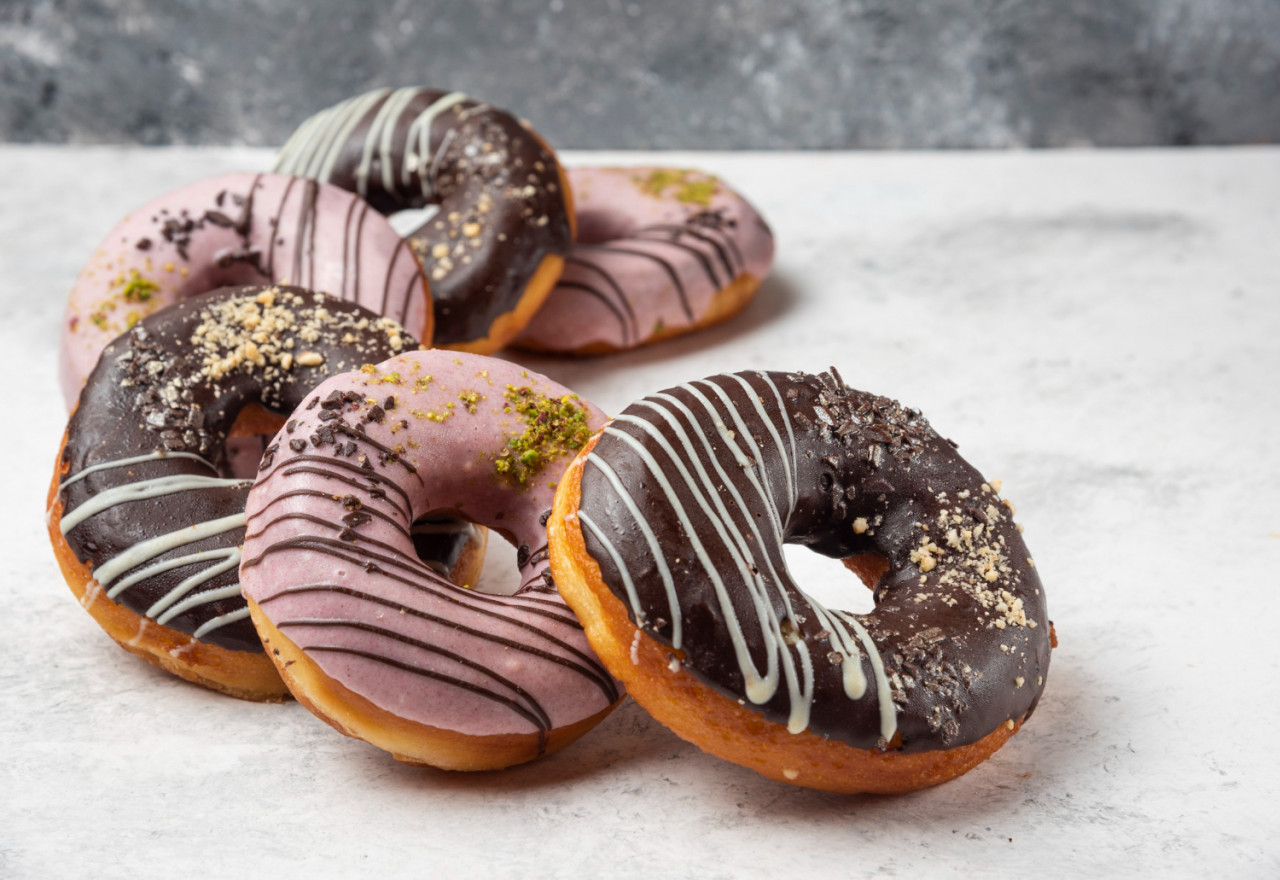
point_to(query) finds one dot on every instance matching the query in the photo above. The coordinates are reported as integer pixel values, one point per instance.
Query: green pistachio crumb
(137, 288)
(554, 426)
(696, 191)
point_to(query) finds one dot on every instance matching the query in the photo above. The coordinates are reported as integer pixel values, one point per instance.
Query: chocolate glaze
(959, 640)
(498, 187)
(158, 408)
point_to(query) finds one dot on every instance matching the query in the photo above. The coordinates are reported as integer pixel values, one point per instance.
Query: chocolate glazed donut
(495, 247)
(686, 499)
(146, 528)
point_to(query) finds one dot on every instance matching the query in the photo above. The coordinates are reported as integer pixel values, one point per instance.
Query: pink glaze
(329, 560)
(654, 245)
(233, 230)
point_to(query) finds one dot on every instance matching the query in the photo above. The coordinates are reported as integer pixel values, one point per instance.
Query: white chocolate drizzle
(714, 462)
(137, 563)
(316, 147)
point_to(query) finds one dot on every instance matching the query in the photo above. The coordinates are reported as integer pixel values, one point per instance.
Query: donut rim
(727, 302)
(508, 325)
(243, 674)
(407, 741)
(717, 724)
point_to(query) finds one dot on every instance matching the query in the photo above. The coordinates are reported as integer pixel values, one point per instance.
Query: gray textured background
(657, 74)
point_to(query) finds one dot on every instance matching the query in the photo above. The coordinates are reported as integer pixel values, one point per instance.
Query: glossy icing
(231, 230)
(653, 247)
(141, 498)
(329, 556)
(689, 495)
(502, 207)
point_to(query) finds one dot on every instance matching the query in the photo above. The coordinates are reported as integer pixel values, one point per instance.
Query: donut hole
(500, 575)
(869, 567)
(490, 565)
(597, 226)
(242, 455)
(450, 546)
(829, 582)
(242, 451)
(410, 220)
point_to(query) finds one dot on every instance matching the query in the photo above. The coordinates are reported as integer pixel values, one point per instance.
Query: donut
(496, 244)
(659, 252)
(666, 540)
(146, 528)
(238, 229)
(375, 643)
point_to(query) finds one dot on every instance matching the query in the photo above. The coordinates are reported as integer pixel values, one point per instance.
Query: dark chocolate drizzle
(546, 628)
(958, 643)
(245, 263)
(709, 228)
(410, 571)
(498, 188)
(156, 396)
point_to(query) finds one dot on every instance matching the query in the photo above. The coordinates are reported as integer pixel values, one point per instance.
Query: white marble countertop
(1098, 329)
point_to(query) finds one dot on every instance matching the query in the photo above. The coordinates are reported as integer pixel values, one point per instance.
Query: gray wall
(657, 74)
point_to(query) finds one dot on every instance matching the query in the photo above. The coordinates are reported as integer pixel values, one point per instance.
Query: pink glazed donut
(368, 637)
(239, 229)
(659, 252)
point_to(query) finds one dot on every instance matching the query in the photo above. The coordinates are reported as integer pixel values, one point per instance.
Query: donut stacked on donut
(659, 252)
(352, 557)
(145, 526)
(496, 245)
(667, 537)
(239, 229)
(380, 645)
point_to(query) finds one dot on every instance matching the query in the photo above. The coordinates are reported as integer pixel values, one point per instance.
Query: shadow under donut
(777, 295)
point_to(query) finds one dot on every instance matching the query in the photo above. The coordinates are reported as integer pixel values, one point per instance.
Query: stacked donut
(339, 568)
(520, 251)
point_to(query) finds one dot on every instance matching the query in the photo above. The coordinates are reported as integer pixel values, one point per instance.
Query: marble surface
(657, 74)
(1097, 329)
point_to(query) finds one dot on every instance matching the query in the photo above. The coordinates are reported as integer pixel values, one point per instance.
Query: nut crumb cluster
(262, 336)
